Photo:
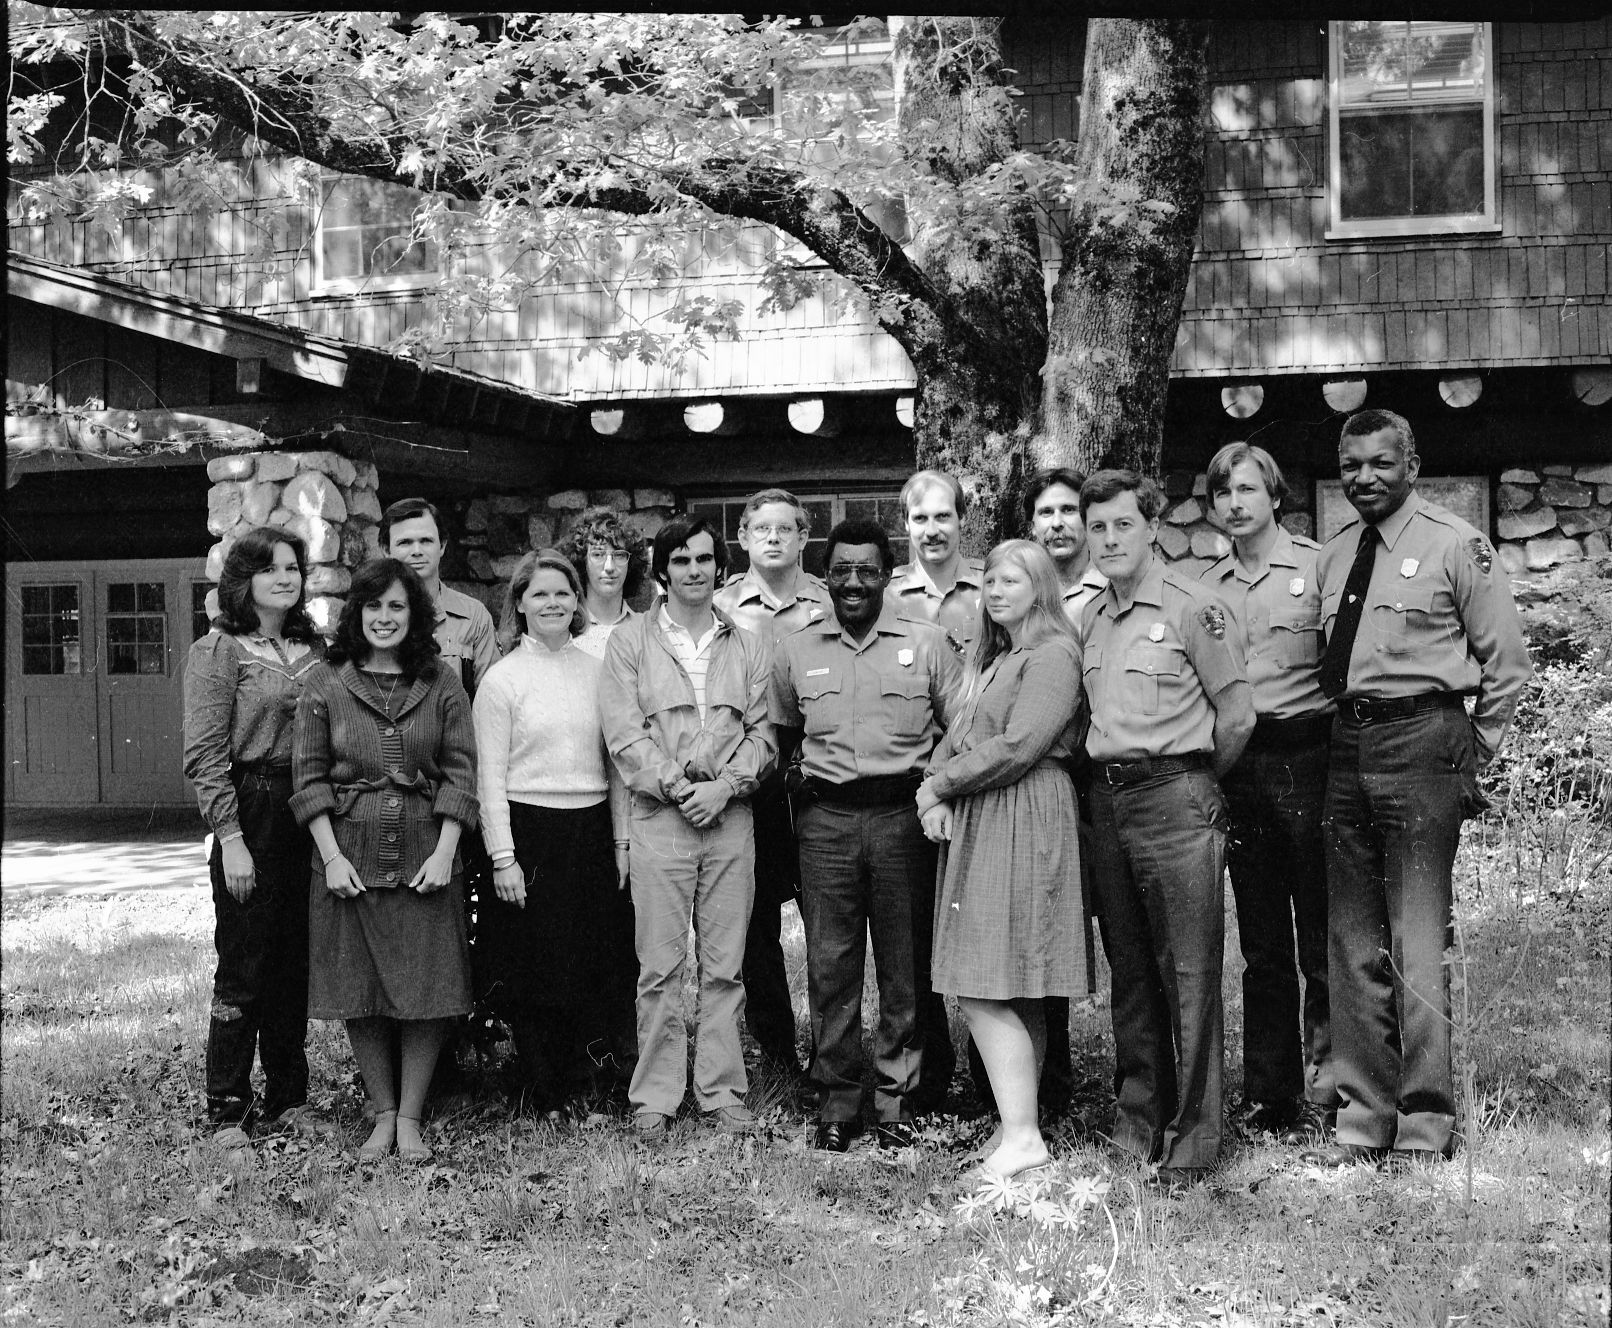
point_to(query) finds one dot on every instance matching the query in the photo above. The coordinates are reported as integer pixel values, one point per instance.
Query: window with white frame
(826, 510)
(1411, 108)
(364, 238)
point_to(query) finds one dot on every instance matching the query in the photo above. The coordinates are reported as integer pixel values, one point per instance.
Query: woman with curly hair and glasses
(556, 953)
(611, 558)
(385, 775)
(242, 682)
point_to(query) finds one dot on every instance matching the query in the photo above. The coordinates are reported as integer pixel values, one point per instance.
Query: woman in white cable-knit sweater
(554, 822)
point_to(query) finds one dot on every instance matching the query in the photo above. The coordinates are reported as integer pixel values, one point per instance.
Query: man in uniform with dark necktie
(1418, 617)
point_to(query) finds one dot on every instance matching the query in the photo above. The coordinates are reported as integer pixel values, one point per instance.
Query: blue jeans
(679, 874)
(865, 870)
(1160, 856)
(1394, 806)
(1278, 877)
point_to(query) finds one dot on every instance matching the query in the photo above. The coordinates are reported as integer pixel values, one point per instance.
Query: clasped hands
(701, 803)
(934, 815)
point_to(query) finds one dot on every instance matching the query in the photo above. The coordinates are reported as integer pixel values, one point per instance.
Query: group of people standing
(961, 760)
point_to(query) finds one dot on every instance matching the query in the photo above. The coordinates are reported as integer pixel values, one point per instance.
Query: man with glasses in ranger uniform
(773, 597)
(864, 696)
(1418, 617)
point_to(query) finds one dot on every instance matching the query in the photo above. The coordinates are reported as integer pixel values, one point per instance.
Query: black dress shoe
(1403, 1159)
(896, 1134)
(834, 1136)
(1345, 1155)
(1177, 1180)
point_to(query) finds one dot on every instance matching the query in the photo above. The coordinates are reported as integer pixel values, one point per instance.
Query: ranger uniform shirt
(1277, 611)
(1092, 583)
(1152, 667)
(748, 602)
(464, 633)
(869, 707)
(1438, 617)
(957, 612)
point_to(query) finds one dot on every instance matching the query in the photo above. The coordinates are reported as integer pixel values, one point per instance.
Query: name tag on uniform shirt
(815, 673)
(904, 658)
(1296, 586)
(1156, 632)
(1408, 567)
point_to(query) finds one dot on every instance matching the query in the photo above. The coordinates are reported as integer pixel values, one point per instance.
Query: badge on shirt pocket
(1295, 587)
(904, 658)
(1409, 568)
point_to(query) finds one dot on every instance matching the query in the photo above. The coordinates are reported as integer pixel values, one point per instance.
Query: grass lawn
(116, 1210)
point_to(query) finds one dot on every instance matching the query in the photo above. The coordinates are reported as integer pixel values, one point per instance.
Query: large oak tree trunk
(977, 392)
(1117, 302)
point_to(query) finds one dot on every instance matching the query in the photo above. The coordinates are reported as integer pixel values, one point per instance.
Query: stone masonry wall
(1554, 515)
(323, 497)
(494, 532)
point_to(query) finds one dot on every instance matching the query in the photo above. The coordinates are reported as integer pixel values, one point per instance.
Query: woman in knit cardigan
(553, 935)
(384, 768)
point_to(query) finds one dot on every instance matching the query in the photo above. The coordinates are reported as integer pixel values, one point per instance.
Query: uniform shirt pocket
(818, 698)
(1148, 668)
(905, 700)
(1329, 610)
(1404, 619)
(1296, 637)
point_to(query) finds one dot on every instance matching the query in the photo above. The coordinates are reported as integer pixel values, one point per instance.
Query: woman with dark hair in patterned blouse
(242, 682)
(385, 773)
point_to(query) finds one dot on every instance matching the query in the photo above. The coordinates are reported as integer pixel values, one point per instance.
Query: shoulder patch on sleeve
(1481, 553)
(1213, 618)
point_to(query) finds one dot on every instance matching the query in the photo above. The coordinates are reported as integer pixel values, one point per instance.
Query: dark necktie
(1334, 672)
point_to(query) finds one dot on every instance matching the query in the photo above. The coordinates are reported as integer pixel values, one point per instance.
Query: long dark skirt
(558, 968)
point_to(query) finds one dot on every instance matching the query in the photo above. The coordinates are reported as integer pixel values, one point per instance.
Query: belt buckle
(1114, 772)
(1363, 710)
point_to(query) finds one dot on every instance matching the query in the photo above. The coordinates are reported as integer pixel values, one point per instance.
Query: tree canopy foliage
(535, 138)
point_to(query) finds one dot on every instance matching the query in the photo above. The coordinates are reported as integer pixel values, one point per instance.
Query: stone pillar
(329, 501)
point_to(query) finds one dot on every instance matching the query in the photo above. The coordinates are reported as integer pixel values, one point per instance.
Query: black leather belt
(1379, 710)
(1271, 734)
(875, 791)
(1148, 767)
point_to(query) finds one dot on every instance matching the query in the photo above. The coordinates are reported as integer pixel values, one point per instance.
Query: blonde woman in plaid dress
(998, 797)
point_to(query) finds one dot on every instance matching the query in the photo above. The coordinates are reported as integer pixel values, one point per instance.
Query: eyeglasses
(767, 532)
(606, 553)
(865, 573)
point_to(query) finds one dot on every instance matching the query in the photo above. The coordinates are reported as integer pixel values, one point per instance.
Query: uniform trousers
(1160, 854)
(1392, 823)
(1278, 878)
(769, 1009)
(679, 874)
(260, 987)
(865, 869)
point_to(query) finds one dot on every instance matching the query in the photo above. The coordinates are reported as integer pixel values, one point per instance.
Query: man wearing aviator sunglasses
(772, 598)
(863, 696)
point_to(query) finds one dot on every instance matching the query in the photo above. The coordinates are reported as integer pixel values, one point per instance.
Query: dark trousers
(1394, 806)
(769, 1010)
(866, 870)
(1160, 854)
(260, 987)
(1278, 877)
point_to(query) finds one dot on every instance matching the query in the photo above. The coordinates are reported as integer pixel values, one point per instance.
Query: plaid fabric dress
(1008, 912)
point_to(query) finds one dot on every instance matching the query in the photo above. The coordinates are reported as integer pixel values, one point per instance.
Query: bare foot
(988, 1147)
(1008, 1162)
(411, 1145)
(380, 1140)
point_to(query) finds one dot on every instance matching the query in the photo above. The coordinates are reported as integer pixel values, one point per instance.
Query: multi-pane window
(1412, 110)
(365, 238)
(825, 510)
(137, 627)
(50, 630)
